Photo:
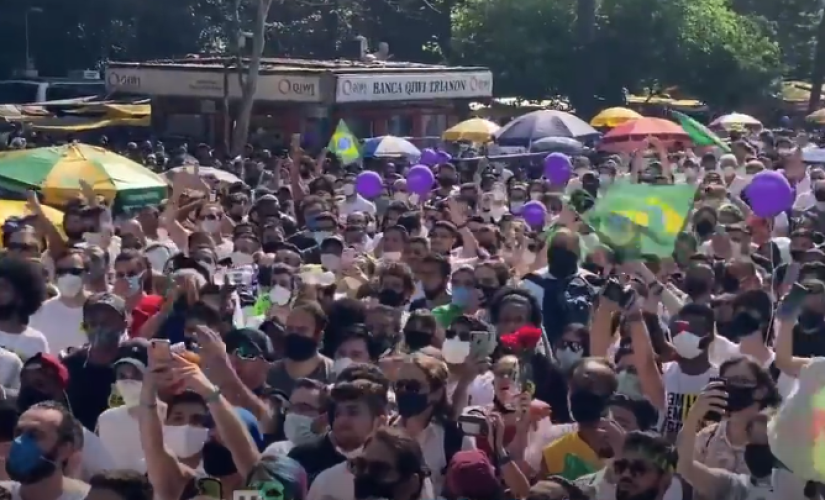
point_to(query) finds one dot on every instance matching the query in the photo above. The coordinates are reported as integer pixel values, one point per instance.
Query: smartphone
(715, 416)
(473, 425)
(792, 302)
(296, 141)
(265, 276)
(482, 344)
(209, 487)
(614, 291)
(213, 196)
(161, 350)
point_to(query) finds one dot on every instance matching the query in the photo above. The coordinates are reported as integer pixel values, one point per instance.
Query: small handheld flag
(344, 145)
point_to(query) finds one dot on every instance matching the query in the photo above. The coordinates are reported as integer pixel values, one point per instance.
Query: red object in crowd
(148, 306)
(525, 338)
(633, 134)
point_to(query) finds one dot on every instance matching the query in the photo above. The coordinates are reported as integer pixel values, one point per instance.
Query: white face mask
(242, 259)
(527, 258)
(330, 262)
(729, 171)
(320, 236)
(497, 212)
(129, 390)
(391, 256)
(158, 258)
(629, 385)
(455, 351)
(349, 455)
(210, 226)
(279, 295)
(400, 196)
(348, 190)
(184, 441)
(69, 285)
(567, 357)
(298, 429)
(341, 364)
(686, 345)
(515, 206)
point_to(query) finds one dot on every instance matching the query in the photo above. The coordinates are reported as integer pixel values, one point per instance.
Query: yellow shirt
(570, 457)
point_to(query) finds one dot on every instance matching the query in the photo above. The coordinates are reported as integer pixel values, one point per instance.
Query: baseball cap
(51, 365)
(471, 475)
(249, 343)
(105, 299)
(134, 352)
(278, 476)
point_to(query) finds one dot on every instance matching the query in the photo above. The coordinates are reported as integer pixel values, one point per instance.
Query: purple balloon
(769, 193)
(443, 156)
(429, 157)
(534, 213)
(557, 168)
(420, 180)
(369, 184)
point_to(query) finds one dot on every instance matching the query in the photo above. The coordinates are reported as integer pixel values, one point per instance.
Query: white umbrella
(735, 120)
(206, 172)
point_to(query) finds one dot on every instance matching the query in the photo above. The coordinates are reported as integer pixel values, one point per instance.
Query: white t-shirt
(278, 449)
(60, 324)
(26, 343)
(338, 483)
(120, 435)
(94, 457)
(681, 391)
(359, 204)
(73, 490)
(10, 367)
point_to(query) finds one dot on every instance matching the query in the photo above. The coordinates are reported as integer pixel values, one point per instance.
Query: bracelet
(213, 396)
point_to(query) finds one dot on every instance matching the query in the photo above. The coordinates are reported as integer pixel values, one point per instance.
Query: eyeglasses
(409, 385)
(247, 353)
(130, 274)
(634, 467)
(74, 271)
(22, 247)
(360, 466)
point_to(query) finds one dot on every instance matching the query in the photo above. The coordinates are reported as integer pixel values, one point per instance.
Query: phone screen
(793, 301)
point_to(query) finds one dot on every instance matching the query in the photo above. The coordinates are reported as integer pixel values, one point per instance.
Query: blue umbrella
(566, 145)
(531, 127)
(389, 146)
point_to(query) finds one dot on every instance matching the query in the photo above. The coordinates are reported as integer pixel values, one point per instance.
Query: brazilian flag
(640, 219)
(344, 145)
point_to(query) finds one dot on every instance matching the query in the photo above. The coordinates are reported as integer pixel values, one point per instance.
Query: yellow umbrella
(13, 208)
(474, 130)
(613, 117)
(817, 117)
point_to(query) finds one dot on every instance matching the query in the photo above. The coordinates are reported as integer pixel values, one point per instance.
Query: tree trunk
(583, 99)
(250, 86)
(818, 72)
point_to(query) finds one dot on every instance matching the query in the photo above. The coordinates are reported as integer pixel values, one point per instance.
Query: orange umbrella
(630, 135)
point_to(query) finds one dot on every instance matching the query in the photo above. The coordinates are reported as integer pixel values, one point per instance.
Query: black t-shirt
(317, 456)
(89, 387)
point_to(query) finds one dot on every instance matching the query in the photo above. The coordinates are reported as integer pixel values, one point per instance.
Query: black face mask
(217, 460)
(391, 298)
(446, 181)
(270, 246)
(743, 323)
(487, 293)
(759, 459)
(738, 398)
(29, 396)
(74, 235)
(650, 494)
(369, 486)
(704, 227)
(417, 340)
(730, 283)
(819, 195)
(810, 319)
(796, 255)
(562, 262)
(695, 286)
(411, 404)
(299, 348)
(587, 407)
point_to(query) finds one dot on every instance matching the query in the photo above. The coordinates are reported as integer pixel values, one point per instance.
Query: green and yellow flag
(699, 134)
(344, 145)
(640, 219)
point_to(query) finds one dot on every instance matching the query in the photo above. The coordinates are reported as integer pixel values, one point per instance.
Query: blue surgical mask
(567, 357)
(134, 283)
(26, 463)
(461, 296)
(629, 385)
(321, 236)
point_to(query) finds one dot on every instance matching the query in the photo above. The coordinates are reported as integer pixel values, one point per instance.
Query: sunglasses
(22, 247)
(634, 467)
(360, 466)
(409, 385)
(74, 271)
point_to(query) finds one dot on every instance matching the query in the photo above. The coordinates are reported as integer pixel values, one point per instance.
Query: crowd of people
(286, 337)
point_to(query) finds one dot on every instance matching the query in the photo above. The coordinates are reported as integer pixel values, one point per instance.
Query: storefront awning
(84, 125)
